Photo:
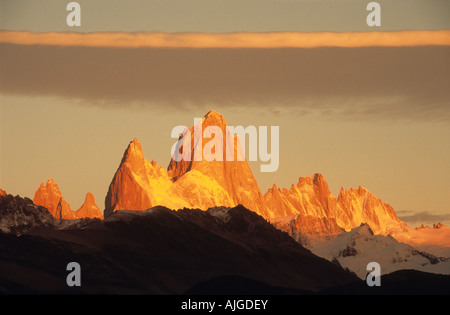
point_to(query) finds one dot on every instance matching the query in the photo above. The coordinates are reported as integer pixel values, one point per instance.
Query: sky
(218, 16)
(375, 115)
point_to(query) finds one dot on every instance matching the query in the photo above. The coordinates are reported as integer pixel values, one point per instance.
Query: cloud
(426, 218)
(230, 40)
(364, 83)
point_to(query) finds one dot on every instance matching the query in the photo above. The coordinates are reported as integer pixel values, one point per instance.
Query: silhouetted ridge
(237, 285)
(144, 251)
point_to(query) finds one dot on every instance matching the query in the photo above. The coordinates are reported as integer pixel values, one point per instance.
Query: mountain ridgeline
(204, 226)
(308, 211)
(139, 185)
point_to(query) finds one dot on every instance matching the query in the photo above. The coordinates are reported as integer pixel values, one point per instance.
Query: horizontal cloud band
(231, 40)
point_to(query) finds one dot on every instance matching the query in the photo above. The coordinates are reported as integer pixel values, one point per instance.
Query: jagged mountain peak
(363, 229)
(50, 181)
(89, 199)
(199, 183)
(212, 112)
(188, 182)
(316, 181)
(135, 146)
(321, 184)
(50, 185)
(213, 118)
(361, 190)
(312, 197)
(49, 196)
(133, 154)
(318, 178)
(19, 215)
(89, 209)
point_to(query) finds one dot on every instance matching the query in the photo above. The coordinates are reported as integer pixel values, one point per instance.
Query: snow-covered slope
(434, 240)
(355, 249)
(307, 229)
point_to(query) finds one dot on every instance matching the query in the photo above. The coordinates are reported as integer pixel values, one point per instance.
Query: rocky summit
(139, 184)
(19, 215)
(49, 196)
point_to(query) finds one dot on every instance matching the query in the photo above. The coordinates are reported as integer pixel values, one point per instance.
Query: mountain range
(346, 231)
(308, 210)
(139, 184)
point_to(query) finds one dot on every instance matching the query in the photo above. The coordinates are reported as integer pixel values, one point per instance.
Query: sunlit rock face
(222, 162)
(311, 198)
(89, 209)
(307, 229)
(208, 168)
(206, 179)
(362, 206)
(49, 196)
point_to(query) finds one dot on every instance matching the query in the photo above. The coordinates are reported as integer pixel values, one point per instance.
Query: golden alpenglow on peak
(196, 183)
(49, 196)
(89, 209)
(201, 183)
(312, 197)
(214, 119)
(195, 147)
(133, 154)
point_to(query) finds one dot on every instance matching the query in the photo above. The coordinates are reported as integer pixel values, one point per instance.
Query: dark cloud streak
(424, 217)
(381, 83)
